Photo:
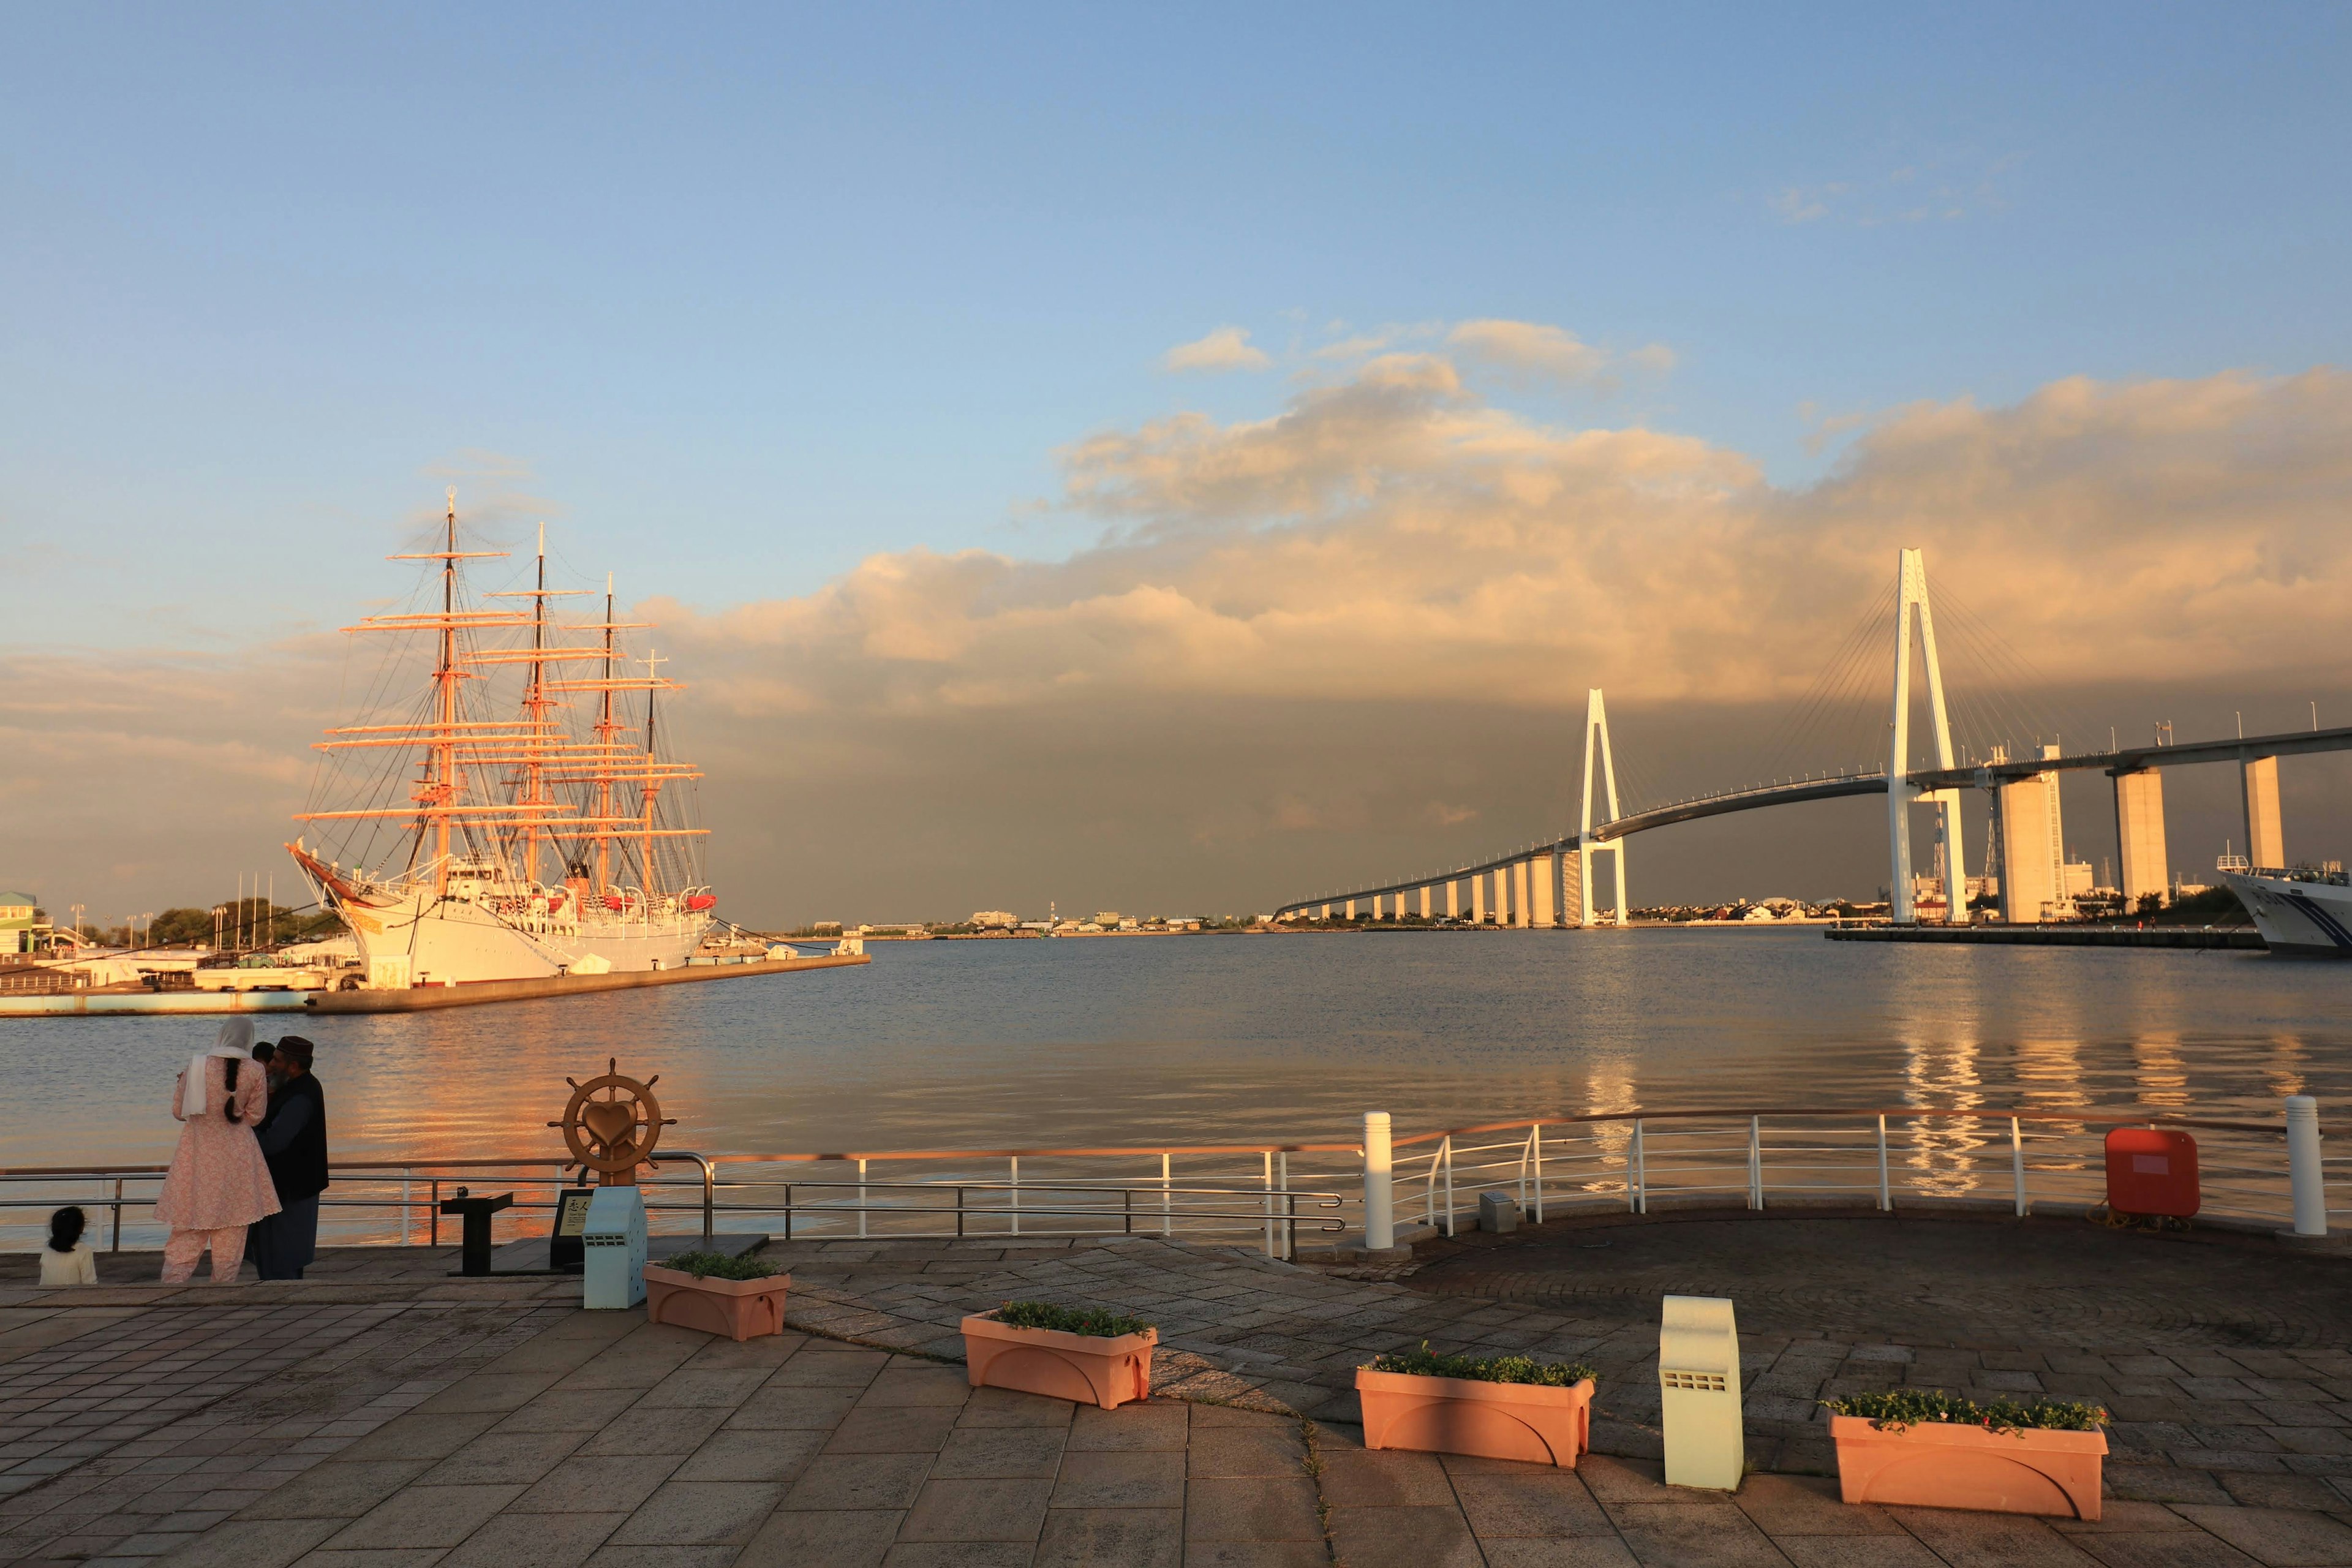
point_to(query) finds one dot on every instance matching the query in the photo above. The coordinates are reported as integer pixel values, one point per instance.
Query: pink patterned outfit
(218, 1183)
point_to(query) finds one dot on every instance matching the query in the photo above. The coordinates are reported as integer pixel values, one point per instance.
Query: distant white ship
(477, 833)
(2308, 914)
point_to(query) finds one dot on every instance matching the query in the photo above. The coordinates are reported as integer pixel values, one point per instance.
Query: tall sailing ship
(505, 808)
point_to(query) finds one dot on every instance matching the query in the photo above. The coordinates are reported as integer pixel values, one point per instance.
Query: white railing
(1270, 1197)
(1759, 1159)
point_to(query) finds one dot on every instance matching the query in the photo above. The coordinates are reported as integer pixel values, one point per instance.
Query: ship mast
(606, 731)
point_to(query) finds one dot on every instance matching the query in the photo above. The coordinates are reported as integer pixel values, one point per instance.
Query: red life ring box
(2151, 1171)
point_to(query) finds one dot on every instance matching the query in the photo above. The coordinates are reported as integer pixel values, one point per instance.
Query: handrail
(2134, 1117)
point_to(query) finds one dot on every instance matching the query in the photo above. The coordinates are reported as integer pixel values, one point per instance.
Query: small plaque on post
(565, 1253)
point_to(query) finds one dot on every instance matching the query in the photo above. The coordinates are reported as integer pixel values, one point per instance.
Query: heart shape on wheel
(608, 1120)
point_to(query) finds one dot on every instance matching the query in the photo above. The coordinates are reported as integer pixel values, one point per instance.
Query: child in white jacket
(68, 1259)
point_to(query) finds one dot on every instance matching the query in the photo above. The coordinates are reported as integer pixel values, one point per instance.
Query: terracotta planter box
(1526, 1421)
(739, 1309)
(1935, 1464)
(1085, 1368)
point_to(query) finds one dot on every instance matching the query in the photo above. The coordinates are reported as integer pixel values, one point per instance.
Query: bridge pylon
(1911, 604)
(1596, 722)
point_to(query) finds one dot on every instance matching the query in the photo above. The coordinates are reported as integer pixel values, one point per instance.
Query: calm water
(1196, 1040)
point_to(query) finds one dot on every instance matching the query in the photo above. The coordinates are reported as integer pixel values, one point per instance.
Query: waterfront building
(24, 926)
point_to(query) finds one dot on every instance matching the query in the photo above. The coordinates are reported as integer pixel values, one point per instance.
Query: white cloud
(1531, 351)
(1227, 348)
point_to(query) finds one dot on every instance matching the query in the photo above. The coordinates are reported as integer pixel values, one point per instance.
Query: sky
(1179, 460)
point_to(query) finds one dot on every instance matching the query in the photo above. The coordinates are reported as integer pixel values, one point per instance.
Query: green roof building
(22, 927)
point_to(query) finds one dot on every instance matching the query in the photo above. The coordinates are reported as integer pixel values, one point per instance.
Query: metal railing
(1755, 1159)
(1268, 1196)
(399, 1203)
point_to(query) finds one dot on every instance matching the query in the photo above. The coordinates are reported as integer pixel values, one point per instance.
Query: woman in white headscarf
(219, 1183)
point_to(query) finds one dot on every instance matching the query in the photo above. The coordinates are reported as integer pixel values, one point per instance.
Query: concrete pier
(1478, 900)
(1519, 895)
(1546, 890)
(2139, 830)
(1571, 889)
(1453, 899)
(2258, 792)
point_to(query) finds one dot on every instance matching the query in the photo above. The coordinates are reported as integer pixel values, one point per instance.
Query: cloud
(1531, 351)
(1227, 348)
(1308, 639)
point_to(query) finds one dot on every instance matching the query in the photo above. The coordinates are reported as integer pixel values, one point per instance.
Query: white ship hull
(412, 937)
(2298, 918)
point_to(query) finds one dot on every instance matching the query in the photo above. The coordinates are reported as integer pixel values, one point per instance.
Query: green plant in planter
(1094, 1322)
(1894, 1410)
(718, 1266)
(1425, 1363)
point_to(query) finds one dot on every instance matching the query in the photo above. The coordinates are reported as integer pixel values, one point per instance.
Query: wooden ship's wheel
(615, 1135)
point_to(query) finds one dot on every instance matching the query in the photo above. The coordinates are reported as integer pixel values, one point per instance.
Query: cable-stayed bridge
(1551, 884)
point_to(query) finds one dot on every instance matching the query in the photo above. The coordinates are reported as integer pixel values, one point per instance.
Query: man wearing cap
(294, 1141)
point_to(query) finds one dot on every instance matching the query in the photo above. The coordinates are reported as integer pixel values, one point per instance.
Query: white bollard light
(1698, 1392)
(613, 1249)
(1379, 1200)
(2310, 1186)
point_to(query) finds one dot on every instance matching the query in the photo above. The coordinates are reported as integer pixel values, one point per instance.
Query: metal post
(959, 1211)
(710, 1181)
(1273, 1247)
(1536, 1132)
(1639, 1190)
(788, 1211)
(437, 1211)
(1015, 1199)
(408, 1209)
(117, 1216)
(1290, 1232)
(1886, 1196)
(861, 1197)
(2308, 1184)
(1755, 1161)
(1379, 1193)
(1445, 1152)
(1527, 1152)
(2017, 1163)
(1167, 1217)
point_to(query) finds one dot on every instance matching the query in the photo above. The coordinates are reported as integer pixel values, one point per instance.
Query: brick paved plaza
(382, 1415)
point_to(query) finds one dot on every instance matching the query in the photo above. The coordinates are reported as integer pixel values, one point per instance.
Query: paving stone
(1099, 1480)
(596, 1483)
(1009, 1453)
(424, 1516)
(1353, 1477)
(498, 1456)
(678, 1431)
(977, 1510)
(1251, 1508)
(1808, 1505)
(899, 1386)
(424, 1436)
(535, 1540)
(1005, 1407)
(1587, 1552)
(893, 1429)
(1897, 1551)
(774, 1408)
(337, 1490)
(862, 1482)
(822, 1539)
(699, 1513)
(1245, 1451)
(1991, 1540)
(568, 1410)
(2164, 1549)
(2275, 1537)
(1154, 1425)
(1403, 1537)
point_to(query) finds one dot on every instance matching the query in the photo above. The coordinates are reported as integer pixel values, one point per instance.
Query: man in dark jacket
(293, 1134)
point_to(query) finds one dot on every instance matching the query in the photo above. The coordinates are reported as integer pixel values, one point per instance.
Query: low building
(24, 925)
(995, 920)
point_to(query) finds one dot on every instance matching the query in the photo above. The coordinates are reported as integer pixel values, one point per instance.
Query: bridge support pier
(1351, 909)
(1519, 879)
(2028, 878)
(1452, 899)
(1478, 899)
(1425, 901)
(1544, 871)
(1571, 888)
(2139, 835)
(2258, 792)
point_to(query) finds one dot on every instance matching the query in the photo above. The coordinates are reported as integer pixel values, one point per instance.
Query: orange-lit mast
(605, 733)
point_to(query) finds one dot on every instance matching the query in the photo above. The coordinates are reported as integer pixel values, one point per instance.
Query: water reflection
(963, 1044)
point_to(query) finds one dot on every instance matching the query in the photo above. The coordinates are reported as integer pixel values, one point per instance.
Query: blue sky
(757, 306)
(782, 290)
